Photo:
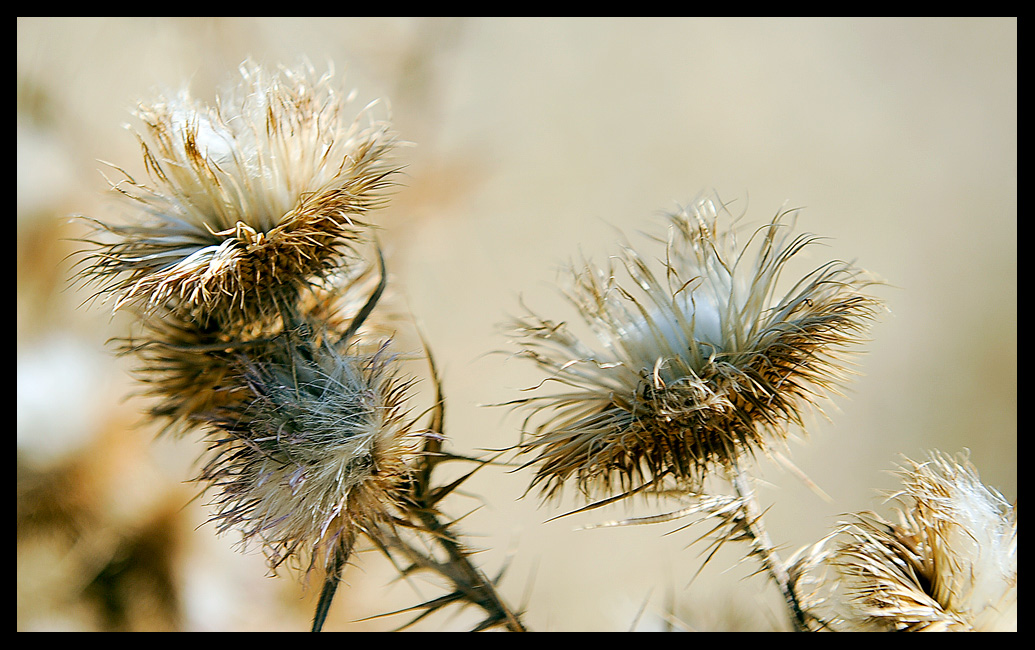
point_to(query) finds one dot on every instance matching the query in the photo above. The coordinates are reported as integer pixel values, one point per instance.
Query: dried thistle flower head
(186, 368)
(189, 367)
(950, 563)
(252, 199)
(699, 362)
(321, 452)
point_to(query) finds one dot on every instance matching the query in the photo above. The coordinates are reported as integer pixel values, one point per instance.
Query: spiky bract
(186, 368)
(949, 563)
(319, 453)
(698, 365)
(254, 198)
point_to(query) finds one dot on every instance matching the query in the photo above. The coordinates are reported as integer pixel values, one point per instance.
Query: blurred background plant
(947, 561)
(899, 136)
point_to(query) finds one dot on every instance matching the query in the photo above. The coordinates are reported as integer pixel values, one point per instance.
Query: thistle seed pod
(254, 199)
(699, 363)
(319, 453)
(948, 564)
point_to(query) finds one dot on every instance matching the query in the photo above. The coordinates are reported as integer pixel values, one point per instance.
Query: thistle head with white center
(253, 199)
(700, 360)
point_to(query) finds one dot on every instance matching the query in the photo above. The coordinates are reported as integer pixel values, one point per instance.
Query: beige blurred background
(533, 138)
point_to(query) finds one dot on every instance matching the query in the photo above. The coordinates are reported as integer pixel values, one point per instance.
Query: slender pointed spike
(488, 623)
(364, 312)
(440, 492)
(324, 604)
(604, 502)
(330, 586)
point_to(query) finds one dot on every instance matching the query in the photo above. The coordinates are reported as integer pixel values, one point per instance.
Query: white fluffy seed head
(948, 563)
(320, 453)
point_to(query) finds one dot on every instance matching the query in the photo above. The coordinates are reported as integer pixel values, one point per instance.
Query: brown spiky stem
(473, 585)
(762, 546)
(470, 583)
(468, 578)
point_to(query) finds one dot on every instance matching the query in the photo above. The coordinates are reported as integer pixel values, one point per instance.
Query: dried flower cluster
(249, 264)
(700, 362)
(243, 263)
(231, 260)
(949, 562)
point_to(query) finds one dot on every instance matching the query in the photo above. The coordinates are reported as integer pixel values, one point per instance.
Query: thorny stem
(468, 579)
(475, 585)
(470, 583)
(764, 549)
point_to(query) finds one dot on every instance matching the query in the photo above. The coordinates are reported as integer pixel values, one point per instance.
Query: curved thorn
(358, 321)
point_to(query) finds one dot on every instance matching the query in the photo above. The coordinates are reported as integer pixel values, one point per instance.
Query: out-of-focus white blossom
(948, 563)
